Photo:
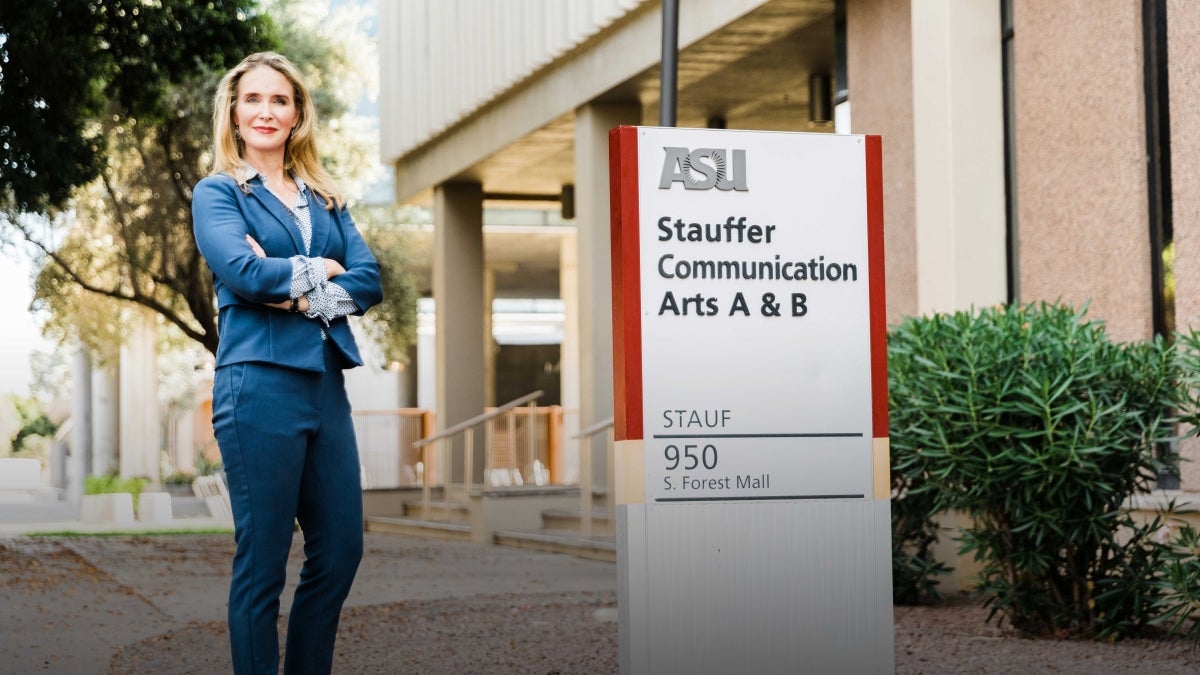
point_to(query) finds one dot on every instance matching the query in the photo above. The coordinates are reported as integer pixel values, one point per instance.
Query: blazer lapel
(277, 209)
(322, 222)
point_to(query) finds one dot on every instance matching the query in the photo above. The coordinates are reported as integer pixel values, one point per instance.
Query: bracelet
(295, 305)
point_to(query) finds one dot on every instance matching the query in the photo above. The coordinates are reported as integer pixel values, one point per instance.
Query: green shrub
(1178, 577)
(1035, 424)
(1179, 584)
(178, 478)
(110, 483)
(914, 533)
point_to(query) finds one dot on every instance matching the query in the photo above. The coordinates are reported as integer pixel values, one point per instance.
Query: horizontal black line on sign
(831, 435)
(756, 499)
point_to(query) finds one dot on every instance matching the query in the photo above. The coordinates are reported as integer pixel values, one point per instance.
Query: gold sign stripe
(629, 465)
(881, 451)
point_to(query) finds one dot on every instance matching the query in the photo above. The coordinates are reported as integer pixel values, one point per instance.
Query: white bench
(212, 490)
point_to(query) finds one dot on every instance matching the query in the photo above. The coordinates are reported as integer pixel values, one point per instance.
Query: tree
(127, 236)
(34, 424)
(392, 325)
(69, 63)
(48, 91)
(112, 121)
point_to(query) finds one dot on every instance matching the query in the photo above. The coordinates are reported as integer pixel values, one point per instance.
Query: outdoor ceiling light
(820, 101)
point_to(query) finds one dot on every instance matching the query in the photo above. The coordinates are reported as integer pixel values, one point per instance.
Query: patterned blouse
(326, 300)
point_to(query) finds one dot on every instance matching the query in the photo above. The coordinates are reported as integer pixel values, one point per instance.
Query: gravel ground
(954, 637)
(156, 605)
(543, 633)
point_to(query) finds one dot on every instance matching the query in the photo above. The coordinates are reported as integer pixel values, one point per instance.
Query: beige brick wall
(1081, 169)
(1184, 77)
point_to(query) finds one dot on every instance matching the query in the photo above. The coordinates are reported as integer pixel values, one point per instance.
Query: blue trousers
(287, 442)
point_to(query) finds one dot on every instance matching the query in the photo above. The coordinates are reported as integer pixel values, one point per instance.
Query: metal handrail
(467, 428)
(479, 419)
(585, 475)
(591, 431)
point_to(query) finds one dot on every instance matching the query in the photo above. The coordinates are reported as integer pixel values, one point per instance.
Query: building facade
(1033, 150)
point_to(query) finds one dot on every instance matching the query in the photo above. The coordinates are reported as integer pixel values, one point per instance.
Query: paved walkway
(157, 604)
(22, 516)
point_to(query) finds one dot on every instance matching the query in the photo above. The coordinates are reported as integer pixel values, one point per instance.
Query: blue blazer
(222, 215)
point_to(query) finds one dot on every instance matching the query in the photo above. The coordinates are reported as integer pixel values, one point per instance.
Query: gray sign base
(755, 587)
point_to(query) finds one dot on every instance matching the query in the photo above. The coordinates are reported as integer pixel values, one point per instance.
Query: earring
(237, 133)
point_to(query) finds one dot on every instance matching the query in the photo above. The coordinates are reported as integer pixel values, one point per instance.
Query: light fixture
(820, 101)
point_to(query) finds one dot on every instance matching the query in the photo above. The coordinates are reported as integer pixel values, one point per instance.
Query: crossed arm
(326, 301)
(325, 288)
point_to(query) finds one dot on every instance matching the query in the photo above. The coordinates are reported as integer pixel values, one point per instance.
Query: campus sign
(758, 305)
(751, 456)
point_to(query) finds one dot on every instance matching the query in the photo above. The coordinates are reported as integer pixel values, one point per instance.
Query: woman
(288, 267)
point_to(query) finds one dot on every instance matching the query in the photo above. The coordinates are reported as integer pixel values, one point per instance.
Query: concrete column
(409, 379)
(592, 124)
(426, 360)
(59, 469)
(568, 356)
(141, 431)
(880, 78)
(459, 297)
(958, 130)
(105, 419)
(81, 424)
(185, 440)
(490, 347)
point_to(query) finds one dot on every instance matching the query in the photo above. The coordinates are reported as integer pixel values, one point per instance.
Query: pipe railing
(585, 475)
(444, 441)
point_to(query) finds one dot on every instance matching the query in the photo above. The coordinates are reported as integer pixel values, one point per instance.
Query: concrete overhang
(523, 258)
(747, 62)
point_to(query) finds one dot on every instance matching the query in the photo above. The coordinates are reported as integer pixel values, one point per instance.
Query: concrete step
(453, 512)
(560, 541)
(34, 495)
(569, 520)
(418, 528)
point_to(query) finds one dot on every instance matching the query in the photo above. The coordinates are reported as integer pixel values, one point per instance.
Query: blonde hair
(300, 153)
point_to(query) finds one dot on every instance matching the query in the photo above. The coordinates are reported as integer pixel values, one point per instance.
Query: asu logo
(704, 169)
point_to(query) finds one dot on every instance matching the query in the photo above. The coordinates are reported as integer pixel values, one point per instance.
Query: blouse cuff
(329, 301)
(307, 274)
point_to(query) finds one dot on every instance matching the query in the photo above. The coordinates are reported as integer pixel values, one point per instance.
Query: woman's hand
(333, 268)
(302, 303)
(258, 250)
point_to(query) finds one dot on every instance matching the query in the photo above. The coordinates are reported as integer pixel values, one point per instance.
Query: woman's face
(265, 112)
